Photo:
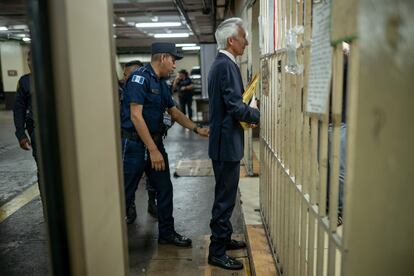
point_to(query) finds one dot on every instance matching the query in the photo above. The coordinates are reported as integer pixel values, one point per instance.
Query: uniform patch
(138, 79)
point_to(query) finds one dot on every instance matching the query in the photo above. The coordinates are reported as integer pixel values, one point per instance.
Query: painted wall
(13, 57)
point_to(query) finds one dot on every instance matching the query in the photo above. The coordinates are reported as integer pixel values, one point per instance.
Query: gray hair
(227, 28)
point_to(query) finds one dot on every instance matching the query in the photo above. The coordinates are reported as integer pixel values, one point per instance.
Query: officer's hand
(157, 161)
(25, 144)
(203, 131)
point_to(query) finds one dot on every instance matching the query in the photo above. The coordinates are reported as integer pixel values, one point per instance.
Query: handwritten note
(321, 59)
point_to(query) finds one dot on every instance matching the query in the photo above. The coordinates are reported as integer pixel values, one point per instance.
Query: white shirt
(229, 55)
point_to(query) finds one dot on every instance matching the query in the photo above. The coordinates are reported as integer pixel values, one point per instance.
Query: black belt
(133, 135)
(130, 135)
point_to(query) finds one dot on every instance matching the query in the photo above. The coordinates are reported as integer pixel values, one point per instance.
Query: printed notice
(321, 59)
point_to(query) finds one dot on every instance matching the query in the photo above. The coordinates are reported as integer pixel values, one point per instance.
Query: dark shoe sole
(175, 244)
(224, 267)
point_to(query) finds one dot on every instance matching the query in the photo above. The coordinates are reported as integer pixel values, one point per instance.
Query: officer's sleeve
(19, 110)
(135, 89)
(234, 100)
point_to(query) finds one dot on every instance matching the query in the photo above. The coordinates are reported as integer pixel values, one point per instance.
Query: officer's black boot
(152, 205)
(131, 215)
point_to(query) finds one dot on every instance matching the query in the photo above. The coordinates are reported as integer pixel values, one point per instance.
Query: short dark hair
(134, 62)
(183, 71)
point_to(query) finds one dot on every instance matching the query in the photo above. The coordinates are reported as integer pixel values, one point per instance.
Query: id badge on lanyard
(167, 120)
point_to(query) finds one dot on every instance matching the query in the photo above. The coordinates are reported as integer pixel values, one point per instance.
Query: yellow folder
(248, 95)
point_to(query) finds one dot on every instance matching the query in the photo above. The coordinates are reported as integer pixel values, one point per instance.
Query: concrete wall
(12, 58)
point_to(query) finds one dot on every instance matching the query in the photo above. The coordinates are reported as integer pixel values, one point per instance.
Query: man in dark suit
(226, 142)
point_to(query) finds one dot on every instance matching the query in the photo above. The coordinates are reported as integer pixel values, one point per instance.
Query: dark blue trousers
(135, 162)
(227, 176)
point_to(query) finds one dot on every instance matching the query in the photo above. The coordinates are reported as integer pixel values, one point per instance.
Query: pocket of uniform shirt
(154, 96)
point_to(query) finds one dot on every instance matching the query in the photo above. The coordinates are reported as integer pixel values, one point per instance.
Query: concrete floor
(23, 249)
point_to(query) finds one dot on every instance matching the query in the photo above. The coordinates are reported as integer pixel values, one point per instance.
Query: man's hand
(25, 144)
(252, 125)
(203, 131)
(157, 161)
(253, 103)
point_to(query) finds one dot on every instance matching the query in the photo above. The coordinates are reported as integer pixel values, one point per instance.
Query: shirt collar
(151, 71)
(227, 53)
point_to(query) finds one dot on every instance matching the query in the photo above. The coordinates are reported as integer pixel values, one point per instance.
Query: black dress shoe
(175, 239)
(225, 262)
(131, 215)
(234, 245)
(152, 208)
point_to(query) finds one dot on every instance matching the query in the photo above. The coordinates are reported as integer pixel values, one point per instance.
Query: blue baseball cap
(165, 47)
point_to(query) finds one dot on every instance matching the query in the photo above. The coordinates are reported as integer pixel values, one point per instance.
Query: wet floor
(23, 248)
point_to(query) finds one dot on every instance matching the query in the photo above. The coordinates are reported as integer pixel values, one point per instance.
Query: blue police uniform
(143, 87)
(23, 112)
(185, 97)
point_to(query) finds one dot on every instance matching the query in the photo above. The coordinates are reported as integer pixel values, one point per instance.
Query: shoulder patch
(138, 79)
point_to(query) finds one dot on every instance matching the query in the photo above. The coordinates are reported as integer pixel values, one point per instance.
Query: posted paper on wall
(321, 59)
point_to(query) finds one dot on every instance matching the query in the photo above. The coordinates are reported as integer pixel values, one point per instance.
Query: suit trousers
(135, 161)
(227, 176)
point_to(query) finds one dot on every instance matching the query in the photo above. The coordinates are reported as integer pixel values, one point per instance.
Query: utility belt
(133, 135)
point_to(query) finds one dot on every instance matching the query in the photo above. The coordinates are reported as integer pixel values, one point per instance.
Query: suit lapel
(221, 55)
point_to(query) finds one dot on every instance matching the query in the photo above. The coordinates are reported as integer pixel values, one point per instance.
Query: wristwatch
(195, 129)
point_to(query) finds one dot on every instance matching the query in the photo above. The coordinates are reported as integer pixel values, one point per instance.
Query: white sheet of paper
(321, 59)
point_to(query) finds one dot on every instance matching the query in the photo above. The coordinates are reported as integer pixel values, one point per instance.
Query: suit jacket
(226, 109)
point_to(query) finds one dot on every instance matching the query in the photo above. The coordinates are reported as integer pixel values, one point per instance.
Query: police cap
(165, 47)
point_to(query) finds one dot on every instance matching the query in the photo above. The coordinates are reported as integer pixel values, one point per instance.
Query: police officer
(184, 86)
(23, 113)
(23, 118)
(131, 213)
(146, 99)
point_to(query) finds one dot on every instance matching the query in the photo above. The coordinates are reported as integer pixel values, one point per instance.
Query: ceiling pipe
(214, 16)
(206, 7)
(180, 7)
(228, 5)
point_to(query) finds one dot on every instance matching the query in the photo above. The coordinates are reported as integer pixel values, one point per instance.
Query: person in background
(24, 120)
(131, 214)
(144, 125)
(226, 141)
(184, 86)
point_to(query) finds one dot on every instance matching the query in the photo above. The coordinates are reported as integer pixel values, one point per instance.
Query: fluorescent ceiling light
(171, 35)
(191, 48)
(21, 35)
(157, 24)
(19, 27)
(3, 28)
(26, 39)
(185, 44)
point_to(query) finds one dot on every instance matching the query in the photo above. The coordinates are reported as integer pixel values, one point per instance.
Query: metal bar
(323, 173)
(335, 150)
(313, 208)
